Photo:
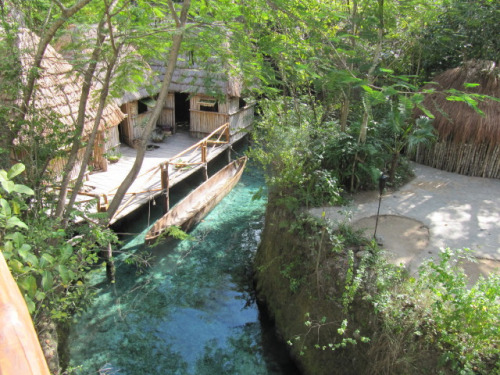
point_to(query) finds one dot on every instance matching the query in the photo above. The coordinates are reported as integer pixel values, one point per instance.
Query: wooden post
(102, 207)
(204, 152)
(227, 133)
(110, 264)
(205, 170)
(228, 155)
(165, 185)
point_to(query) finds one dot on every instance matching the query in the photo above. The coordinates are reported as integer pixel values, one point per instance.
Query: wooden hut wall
(233, 104)
(242, 118)
(99, 160)
(480, 160)
(205, 122)
(112, 140)
(126, 129)
(138, 121)
(167, 116)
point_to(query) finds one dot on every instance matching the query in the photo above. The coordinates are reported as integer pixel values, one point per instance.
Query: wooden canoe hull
(197, 204)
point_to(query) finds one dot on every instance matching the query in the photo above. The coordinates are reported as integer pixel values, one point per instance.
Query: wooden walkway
(148, 183)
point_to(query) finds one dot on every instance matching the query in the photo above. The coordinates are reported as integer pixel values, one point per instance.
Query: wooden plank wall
(167, 116)
(203, 122)
(127, 133)
(112, 140)
(241, 119)
(98, 158)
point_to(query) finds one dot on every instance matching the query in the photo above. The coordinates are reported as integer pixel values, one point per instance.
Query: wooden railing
(20, 350)
(199, 152)
(201, 146)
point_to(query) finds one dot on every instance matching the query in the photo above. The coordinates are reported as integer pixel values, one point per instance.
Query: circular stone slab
(404, 239)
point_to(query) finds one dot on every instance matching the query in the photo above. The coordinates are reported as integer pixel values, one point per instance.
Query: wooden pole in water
(165, 185)
(110, 264)
(205, 171)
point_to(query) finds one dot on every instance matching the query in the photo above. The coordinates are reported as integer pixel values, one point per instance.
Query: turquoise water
(192, 310)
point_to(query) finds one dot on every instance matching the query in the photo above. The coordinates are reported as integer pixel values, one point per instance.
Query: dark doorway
(182, 111)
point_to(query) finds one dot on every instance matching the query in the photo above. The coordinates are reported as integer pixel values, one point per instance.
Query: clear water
(192, 311)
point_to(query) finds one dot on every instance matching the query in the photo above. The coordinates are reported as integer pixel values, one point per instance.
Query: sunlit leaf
(47, 281)
(15, 170)
(15, 222)
(22, 189)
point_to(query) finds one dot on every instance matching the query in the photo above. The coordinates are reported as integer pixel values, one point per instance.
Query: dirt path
(435, 210)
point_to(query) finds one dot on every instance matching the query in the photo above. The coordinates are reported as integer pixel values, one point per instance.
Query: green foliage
(439, 307)
(292, 272)
(283, 141)
(50, 265)
(172, 232)
(463, 30)
(351, 160)
(438, 320)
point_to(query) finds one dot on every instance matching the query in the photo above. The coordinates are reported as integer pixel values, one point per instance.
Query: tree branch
(174, 13)
(141, 147)
(60, 5)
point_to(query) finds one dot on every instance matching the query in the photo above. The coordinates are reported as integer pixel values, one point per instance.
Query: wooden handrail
(223, 130)
(220, 129)
(20, 351)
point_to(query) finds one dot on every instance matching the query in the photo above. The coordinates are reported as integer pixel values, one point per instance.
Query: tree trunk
(110, 263)
(369, 76)
(344, 112)
(394, 165)
(80, 121)
(92, 137)
(141, 146)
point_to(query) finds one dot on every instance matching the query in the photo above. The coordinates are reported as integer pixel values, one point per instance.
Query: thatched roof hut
(468, 143)
(57, 97)
(190, 77)
(58, 87)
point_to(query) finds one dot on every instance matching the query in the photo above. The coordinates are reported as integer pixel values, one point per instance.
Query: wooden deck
(148, 183)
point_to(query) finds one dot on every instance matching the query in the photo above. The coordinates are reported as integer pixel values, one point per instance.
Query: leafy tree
(283, 139)
(51, 265)
(464, 30)
(180, 22)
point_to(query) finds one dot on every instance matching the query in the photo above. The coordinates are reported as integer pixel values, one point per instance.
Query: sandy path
(435, 210)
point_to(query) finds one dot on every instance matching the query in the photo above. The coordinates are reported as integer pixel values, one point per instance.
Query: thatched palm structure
(468, 143)
(198, 99)
(57, 95)
(202, 95)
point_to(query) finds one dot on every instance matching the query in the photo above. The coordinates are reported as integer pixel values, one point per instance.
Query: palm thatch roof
(457, 121)
(58, 87)
(190, 77)
(209, 78)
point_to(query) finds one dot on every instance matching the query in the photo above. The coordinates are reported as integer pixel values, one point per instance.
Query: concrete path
(459, 211)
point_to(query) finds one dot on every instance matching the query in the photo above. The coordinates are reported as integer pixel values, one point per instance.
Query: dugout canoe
(197, 204)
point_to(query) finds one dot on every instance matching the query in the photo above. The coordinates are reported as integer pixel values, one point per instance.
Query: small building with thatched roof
(201, 97)
(468, 141)
(199, 101)
(57, 96)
